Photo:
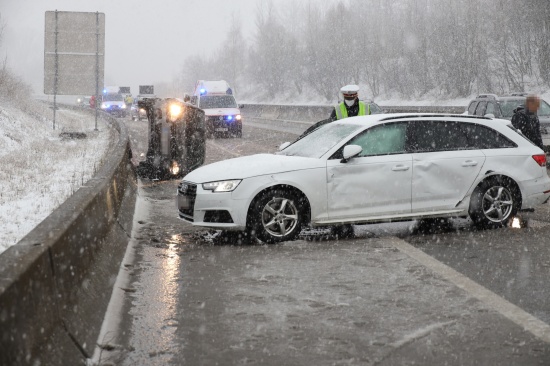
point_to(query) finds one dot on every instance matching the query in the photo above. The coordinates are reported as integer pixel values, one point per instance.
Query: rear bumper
(535, 193)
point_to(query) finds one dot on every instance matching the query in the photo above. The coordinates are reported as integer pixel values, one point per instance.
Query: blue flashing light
(229, 118)
(104, 91)
(203, 91)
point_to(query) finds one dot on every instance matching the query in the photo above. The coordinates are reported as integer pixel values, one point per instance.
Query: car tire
(276, 216)
(494, 202)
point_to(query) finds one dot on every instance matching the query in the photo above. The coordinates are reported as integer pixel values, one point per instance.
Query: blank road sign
(79, 51)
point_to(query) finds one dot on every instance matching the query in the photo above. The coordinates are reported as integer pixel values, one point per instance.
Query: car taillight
(540, 159)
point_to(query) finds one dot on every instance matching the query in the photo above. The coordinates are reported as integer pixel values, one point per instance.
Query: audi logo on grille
(184, 187)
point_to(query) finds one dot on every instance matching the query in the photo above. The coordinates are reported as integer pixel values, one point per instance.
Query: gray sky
(146, 41)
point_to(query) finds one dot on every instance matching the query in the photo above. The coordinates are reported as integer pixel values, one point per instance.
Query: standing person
(351, 106)
(128, 101)
(526, 120)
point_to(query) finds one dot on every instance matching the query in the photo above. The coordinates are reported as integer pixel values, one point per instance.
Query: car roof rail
(487, 96)
(519, 94)
(421, 115)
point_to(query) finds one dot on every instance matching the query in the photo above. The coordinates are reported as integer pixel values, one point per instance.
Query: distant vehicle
(138, 113)
(223, 116)
(81, 101)
(369, 169)
(503, 107)
(113, 103)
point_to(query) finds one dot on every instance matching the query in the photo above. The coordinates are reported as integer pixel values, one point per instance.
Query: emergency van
(112, 101)
(216, 99)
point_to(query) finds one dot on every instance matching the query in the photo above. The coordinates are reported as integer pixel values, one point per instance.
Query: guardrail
(55, 284)
(314, 113)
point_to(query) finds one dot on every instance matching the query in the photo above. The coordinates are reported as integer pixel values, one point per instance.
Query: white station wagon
(377, 168)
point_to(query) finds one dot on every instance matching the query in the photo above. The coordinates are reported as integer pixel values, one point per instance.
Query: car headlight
(123, 106)
(104, 105)
(238, 117)
(221, 186)
(175, 111)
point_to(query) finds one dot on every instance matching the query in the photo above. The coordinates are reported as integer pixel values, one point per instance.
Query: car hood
(222, 111)
(251, 166)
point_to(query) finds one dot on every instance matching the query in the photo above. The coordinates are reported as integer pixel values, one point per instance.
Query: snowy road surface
(186, 297)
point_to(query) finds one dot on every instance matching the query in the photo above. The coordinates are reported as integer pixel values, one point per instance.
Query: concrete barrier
(55, 284)
(315, 113)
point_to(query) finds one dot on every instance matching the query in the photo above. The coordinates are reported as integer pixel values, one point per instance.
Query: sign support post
(96, 68)
(56, 71)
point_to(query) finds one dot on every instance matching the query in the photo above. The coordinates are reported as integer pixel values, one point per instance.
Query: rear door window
(480, 110)
(431, 136)
(472, 107)
(490, 109)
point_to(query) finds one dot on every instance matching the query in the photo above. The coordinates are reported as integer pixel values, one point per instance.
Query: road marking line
(514, 313)
(222, 148)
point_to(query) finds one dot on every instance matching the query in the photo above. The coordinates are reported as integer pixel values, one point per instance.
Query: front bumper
(115, 110)
(220, 124)
(210, 210)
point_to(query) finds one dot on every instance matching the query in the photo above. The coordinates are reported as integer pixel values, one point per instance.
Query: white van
(222, 113)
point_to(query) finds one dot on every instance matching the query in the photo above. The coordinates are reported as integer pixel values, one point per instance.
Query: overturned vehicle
(177, 138)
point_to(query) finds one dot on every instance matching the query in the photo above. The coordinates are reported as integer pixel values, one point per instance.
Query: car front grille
(189, 193)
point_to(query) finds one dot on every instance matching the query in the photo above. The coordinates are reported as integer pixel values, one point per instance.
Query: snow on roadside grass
(39, 169)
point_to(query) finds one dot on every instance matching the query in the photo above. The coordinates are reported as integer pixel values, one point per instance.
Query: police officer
(128, 101)
(351, 106)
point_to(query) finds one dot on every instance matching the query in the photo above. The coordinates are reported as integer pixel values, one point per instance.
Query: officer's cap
(350, 90)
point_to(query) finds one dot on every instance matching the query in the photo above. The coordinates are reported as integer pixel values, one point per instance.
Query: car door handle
(400, 168)
(469, 163)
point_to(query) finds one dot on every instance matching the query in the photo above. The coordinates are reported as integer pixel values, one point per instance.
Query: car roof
(393, 117)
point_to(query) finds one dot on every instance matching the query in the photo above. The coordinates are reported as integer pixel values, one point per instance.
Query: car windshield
(317, 143)
(113, 98)
(217, 101)
(507, 106)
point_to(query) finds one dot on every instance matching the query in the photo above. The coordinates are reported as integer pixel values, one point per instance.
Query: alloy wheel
(497, 204)
(279, 217)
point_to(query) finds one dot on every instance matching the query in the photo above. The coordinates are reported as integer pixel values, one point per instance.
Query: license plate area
(222, 129)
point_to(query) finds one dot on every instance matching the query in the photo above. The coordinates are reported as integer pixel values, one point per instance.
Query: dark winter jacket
(352, 111)
(529, 124)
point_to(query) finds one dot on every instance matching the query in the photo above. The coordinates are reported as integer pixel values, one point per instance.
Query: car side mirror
(284, 145)
(241, 106)
(350, 152)
(186, 98)
(489, 115)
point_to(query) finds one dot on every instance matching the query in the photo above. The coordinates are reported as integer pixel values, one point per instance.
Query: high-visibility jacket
(342, 111)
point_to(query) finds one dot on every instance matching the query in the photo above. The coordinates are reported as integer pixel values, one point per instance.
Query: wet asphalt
(197, 297)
